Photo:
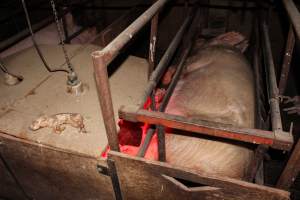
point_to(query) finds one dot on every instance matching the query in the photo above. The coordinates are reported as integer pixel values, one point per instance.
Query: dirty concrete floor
(44, 93)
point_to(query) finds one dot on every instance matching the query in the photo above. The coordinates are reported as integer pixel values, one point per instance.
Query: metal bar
(113, 48)
(101, 60)
(145, 145)
(287, 60)
(247, 135)
(102, 82)
(163, 64)
(161, 143)
(74, 35)
(291, 170)
(152, 46)
(260, 149)
(190, 5)
(23, 34)
(273, 89)
(114, 178)
(293, 14)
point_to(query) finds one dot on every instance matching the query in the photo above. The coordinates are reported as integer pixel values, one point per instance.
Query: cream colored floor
(45, 93)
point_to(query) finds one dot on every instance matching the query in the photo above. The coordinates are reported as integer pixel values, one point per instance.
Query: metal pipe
(174, 81)
(287, 60)
(293, 14)
(145, 145)
(113, 48)
(163, 64)
(161, 142)
(101, 60)
(273, 89)
(152, 45)
(102, 82)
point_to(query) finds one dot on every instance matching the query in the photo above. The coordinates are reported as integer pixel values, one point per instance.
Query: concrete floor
(43, 93)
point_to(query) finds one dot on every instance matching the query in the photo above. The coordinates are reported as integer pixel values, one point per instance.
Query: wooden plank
(291, 169)
(145, 179)
(254, 136)
(49, 173)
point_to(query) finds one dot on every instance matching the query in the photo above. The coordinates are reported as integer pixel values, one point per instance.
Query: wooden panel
(144, 179)
(50, 173)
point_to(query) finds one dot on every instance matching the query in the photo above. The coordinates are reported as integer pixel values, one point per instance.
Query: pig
(217, 85)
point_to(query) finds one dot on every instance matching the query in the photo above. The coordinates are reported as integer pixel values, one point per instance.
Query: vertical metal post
(152, 45)
(101, 76)
(161, 143)
(293, 14)
(287, 60)
(114, 178)
(291, 169)
(273, 89)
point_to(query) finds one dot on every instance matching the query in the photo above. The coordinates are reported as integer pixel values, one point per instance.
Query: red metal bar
(254, 136)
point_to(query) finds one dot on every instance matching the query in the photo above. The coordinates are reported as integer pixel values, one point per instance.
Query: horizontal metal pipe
(293, 14)
(113, 48)
(282, 140)
(163, 63)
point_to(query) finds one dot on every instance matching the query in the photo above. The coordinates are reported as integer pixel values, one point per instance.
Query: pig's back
(218, 86)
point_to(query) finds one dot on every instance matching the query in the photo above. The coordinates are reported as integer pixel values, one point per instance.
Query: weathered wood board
(50, 173)
(144, 179)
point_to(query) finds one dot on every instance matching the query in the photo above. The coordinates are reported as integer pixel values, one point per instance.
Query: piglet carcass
(216, 86)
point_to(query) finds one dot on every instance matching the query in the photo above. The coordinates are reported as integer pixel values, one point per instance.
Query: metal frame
(276, 138)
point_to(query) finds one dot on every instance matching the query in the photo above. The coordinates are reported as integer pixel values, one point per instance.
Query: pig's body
(217, 86)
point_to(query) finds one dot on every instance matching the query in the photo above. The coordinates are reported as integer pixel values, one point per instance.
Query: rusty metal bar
(104, 94)
(291, 169)
(152, 45)
(163, 64)
(247, 135)
(101, 59)
(287, 60)
(161, 143)
(273, 89)
(145, 145)
(293, 14)
(260, 150)
(113, 48)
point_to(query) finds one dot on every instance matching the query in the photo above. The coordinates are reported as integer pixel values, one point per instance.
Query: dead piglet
(57, 122)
